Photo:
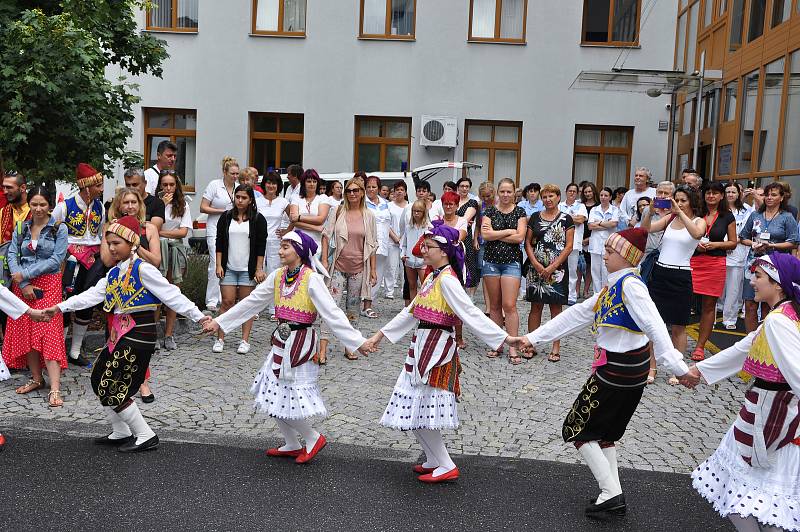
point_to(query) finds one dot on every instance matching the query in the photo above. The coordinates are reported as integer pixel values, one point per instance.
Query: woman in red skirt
(38, 247)
(709, 260)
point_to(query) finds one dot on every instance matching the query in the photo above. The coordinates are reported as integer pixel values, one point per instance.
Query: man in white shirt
(293, 174)
(166, 154)
(577, 211)
(640, 188)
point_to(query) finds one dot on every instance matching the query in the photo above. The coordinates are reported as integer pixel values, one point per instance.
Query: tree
(57, 105)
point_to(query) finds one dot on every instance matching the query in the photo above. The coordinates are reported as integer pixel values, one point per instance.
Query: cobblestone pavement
(505, 410)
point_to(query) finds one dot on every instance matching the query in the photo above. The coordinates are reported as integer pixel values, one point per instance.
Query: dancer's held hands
(210, 326)
(371, 345)
(690, 379)
(519, 342)
(44, 314)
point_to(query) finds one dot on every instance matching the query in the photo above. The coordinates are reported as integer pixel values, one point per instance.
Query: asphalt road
(56, 480)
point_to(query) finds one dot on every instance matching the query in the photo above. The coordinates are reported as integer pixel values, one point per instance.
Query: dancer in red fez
(625, 320)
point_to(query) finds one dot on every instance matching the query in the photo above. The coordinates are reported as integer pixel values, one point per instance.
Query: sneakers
(219, 345)
(243, 349)
(389, 295)
(730, 326)
(212, 308)
(169, 343)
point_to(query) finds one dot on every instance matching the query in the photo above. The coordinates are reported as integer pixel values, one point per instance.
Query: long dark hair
(178, 199)
(692, 195)
(716, 186)
(595, 193)
(44, 192)
(309, 174)
(251, 211)
(739, 192)
(784, 198)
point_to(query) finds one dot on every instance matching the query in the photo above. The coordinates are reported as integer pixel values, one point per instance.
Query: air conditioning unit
(439, 131)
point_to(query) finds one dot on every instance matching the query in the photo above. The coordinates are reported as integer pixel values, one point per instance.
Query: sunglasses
(11, 173)
(353, 190)
(168, 172)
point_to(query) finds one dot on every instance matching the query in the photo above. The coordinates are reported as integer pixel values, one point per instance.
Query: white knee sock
(134, 419)
(611, 456)
(306, 431)
(430, 459)
(289, 436)
(744, 524)
(433, 438)
(597, 462)
(767, 528)
(120, 429)
(78, 332)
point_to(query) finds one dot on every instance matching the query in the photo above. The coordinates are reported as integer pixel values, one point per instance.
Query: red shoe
(419, 469)
(430, 479)
(305, 456)
(699, 354)
(277, 452)
(2, 442)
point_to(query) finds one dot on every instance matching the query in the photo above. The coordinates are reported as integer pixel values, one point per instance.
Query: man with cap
(83, 215)
(131, 292)
(625, 320)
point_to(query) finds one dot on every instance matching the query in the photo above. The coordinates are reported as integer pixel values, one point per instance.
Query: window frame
(174, 20)
(611, 43)
(387, 35)
(277, 136)
(279, 32)
(172, 133)
(498, 15)
(383, 142)
(601, 151)
(493, 145)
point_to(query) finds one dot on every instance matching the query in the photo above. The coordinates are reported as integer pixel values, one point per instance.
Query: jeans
(237, 278)
(491, 269)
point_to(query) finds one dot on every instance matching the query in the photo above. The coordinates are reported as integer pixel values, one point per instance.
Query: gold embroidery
(581, 410)
(114, 391)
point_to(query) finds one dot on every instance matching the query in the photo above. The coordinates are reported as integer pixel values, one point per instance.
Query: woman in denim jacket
(37, 251)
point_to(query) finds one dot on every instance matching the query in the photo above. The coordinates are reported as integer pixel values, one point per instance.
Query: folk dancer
(131, 292)
(625, 320)
(84, 215)
(286, 386)
(425, 395)
(753, 478)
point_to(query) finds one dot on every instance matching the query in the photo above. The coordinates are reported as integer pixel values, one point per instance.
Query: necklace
(291, 276)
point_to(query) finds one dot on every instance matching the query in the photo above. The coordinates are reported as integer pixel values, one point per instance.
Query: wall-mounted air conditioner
(439, 131)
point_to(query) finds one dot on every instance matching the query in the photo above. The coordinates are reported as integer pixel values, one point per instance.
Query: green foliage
(195, 280)
(57, 107)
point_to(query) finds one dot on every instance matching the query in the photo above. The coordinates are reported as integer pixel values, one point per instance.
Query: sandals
(30, 386)
(651, 376)
(514, 359)
(369, 313)
(54, 398)
(350, 356)
(699, 354)
(494, 354)
(529, 355)
(460, 343)
(553, 357)
(673, 381)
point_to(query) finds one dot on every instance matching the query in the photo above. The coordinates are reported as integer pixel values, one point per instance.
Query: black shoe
(105, 440)
(614, 505)
(131, 446)
(148, 398)
(81, 361)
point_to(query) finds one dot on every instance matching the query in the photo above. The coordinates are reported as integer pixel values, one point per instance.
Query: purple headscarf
(786, 268)
(306, 249)
(448, 238)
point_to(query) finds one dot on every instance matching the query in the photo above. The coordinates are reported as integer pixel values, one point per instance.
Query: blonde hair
(227, 162)
(507, 181)
(252, 173)
(483, 187)
(550, 189)
(420, 204)
(116, 204)
(345, 206)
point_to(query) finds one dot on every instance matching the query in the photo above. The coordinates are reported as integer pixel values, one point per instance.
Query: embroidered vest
(293, 303)
(129, 294)
(610, 309)
(430, 305)
(760, 362)
(76, 219)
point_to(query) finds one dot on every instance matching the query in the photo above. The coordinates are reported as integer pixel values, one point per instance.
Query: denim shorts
(491, 269)
(234, 278)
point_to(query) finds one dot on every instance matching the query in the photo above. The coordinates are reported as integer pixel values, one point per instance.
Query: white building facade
(343, 85)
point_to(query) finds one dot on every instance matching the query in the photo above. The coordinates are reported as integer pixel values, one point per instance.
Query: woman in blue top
(38, 248)
(771, 228)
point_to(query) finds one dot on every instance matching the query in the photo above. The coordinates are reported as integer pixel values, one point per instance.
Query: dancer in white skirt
(425, 395)
(286, 386)
(14, 307)
(753, 478)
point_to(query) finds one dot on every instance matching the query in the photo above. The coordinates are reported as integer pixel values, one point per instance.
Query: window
(758, 9)
(680, 59)
(791, 120)
(388, 19)
(729, 111)
(276, 140)
(279, 17)
(687, 123)
(173, 15)
(723, 6)
(691, 40)
(737, 25)
(602, 155)
(781, 11)
(748, 121)
(708, 12)
(709, 109)
(495, 145)
(383, 144)
(611, 21)
(497, 20)
(178, 126)
(770, 115)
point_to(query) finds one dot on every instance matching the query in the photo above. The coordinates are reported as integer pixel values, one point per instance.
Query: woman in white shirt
(603, 220)
(736, 261)
(177, 223)
(217, 198)
(383, 220)
(309, 210)
(275, 209)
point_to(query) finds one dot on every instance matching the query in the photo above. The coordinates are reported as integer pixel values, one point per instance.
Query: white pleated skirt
(280, 398)
(419, 407)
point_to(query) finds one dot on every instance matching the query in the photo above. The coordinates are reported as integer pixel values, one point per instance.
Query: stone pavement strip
(505, 410)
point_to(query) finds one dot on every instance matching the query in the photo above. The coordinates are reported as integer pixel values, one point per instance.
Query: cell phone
(38, 293)
(664, 203)
(751, 183)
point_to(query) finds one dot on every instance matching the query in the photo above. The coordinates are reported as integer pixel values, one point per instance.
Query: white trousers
(273, 262)
(599, 273)
(380, 270)
(393, 268)
(732, 296)
(213, 296)
(572, 269)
